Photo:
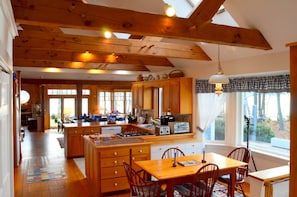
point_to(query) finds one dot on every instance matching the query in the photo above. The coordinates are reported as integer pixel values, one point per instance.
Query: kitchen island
(104, 157)
(73, 132)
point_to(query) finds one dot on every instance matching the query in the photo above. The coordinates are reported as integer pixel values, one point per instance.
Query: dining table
(166, 172)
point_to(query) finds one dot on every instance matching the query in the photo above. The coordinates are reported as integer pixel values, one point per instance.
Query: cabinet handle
(140, 151)
(115, 161)
(116, 172)
(133, 158)
(75, 131)
(115, 184)
(115, 153)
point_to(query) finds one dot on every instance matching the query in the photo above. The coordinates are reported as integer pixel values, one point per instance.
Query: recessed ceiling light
(170, 11)
(107, 34)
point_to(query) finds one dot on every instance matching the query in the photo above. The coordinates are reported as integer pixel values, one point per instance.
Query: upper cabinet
(175, 95)
(137, 95)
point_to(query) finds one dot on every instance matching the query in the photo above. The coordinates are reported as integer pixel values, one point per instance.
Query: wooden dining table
(165, 172)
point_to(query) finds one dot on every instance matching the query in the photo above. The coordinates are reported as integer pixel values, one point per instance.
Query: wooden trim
(293, 120)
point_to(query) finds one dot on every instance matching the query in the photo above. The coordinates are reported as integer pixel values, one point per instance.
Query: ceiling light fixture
(107, 34)
(219, 78)
(170, 10)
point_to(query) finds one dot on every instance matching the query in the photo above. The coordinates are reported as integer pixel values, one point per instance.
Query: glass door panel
(68, 109)
(55, 111)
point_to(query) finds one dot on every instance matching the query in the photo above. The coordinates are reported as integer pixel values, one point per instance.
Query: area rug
(220, 190)
(41, 174)
(61, 141)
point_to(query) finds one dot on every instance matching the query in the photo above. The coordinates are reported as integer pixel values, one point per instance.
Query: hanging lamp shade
(219, 78)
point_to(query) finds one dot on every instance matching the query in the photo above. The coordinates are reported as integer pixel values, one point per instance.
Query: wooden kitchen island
(73, 132)
(104, 157)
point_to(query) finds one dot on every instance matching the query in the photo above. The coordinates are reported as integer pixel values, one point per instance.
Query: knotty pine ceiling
(58, 33)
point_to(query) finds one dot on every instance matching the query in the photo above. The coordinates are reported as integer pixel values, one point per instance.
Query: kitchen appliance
(165, 119)
(133, 134)
(162, 130)
(179, 127)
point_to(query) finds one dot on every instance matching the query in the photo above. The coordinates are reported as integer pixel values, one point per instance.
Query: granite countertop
(111, 139)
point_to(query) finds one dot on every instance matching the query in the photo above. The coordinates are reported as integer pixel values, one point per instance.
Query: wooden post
(293, 119)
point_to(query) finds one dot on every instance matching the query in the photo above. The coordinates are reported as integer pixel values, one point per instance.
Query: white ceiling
(275, 19)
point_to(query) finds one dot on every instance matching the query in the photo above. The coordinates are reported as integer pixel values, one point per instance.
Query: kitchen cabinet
(137, 96)
(73, 142)
(104, 165)
(177, 95)
(189, 148)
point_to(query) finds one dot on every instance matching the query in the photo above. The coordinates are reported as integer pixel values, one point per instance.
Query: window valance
(271, 83)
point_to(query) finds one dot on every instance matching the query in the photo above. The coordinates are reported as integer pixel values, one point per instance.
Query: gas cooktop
(133, 134)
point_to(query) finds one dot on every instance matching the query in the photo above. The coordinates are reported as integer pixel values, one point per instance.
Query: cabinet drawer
(114, 161)
(140, 150)
(91, 130)
(115, 152)
(74, 131)
(113, 172)
(109, 185)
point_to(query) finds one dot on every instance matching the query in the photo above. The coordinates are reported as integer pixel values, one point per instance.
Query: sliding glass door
(61, 109)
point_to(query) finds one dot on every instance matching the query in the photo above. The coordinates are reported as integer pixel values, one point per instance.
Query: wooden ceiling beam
(40, 40)
(77, 65)
(205, 11)
(75, 14)
(56, 55)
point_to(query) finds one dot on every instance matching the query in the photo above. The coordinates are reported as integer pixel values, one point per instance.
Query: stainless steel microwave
(179, 127)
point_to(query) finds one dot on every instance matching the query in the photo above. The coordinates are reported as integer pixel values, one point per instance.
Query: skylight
(184, 9)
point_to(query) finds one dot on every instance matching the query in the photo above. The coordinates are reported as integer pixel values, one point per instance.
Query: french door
(61, 108)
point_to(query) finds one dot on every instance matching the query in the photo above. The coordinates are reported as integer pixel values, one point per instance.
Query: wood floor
(43, 149)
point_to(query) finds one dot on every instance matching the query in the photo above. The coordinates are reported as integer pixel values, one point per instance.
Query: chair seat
(149, 190)
(226, 178)
(186, 189)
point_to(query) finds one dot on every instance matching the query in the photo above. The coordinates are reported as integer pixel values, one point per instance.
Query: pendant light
(219, 78)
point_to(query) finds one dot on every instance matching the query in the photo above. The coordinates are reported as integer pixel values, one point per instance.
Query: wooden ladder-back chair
(169, 153)
(140, 186)
(202, 183)
(240, 154)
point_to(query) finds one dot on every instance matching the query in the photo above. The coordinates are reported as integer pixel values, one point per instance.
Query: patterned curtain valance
(278, 83)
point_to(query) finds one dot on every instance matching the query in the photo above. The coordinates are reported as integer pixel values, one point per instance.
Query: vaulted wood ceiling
(42, 43)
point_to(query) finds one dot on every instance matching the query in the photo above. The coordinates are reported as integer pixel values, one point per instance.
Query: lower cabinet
(73, 142)
(104, 165)
(189, 148)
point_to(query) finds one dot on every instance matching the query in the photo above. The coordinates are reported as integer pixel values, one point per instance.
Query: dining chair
(140, 186)
(169, 153)
(241, 154)
(202, 183)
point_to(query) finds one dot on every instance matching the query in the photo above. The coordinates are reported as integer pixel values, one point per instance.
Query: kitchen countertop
(107, 140)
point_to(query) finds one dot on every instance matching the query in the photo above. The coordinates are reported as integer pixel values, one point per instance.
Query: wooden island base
(104, 162)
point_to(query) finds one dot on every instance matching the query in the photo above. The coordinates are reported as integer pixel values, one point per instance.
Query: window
(120, 101)
(212, 110)
(85, 106)
(105, 102)
(216, 131)
(267, 121)
(257, 112)
(61, 91)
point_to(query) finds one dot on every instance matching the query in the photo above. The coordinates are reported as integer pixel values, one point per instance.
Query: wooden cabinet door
(171, 96)
(137, 95)
(76, 145)
(186, 96)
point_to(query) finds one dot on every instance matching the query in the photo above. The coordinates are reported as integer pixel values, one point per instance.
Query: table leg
(170, 189)
(232, 182)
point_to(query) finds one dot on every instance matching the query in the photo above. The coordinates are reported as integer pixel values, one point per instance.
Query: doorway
(61, 109)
